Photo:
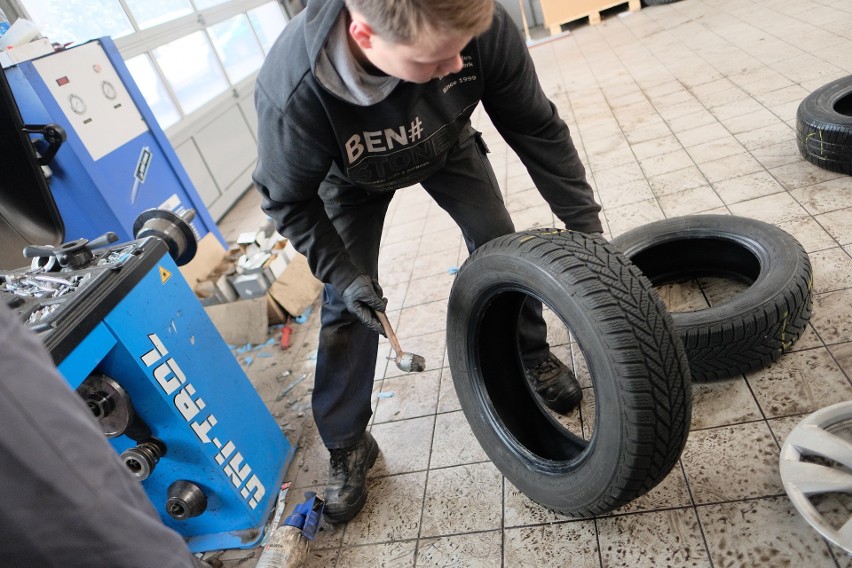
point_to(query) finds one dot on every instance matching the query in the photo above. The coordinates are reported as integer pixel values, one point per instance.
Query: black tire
(657, 2)
(756, 326)
(824, 126)
(637, 367)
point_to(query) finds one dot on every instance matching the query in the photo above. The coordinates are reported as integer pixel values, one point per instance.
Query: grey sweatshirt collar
(339, 73)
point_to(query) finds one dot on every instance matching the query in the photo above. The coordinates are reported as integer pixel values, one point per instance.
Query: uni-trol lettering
(168, 374)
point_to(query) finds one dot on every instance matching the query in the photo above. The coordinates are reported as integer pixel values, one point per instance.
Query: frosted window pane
(202, 4)
(237, 48)
(267, 20)
(77, 21)
(192, 70)
(153, 90)
(149, 13)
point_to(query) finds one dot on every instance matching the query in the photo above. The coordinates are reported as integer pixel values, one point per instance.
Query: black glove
(362, 297)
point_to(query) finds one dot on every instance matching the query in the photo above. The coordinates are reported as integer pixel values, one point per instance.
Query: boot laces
(340, 460)
(544, 372)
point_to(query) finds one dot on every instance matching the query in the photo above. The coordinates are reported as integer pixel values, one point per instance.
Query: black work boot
(346, 491)
(555, 384)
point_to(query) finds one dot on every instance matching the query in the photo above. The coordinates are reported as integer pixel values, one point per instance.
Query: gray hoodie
(308, 134)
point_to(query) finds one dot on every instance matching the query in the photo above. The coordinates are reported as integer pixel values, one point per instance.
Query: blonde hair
(404, 21)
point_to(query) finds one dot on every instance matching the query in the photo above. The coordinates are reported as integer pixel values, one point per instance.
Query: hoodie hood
(332, 62)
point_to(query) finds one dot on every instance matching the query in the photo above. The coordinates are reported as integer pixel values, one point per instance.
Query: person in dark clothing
(361, 98)
(68, 500)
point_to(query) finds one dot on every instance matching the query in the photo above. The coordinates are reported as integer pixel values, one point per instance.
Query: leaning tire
(755, 327)
(637, 367)
(824, 126)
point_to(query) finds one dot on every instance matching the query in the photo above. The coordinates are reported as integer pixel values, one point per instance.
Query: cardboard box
(276, 265)
(241, 322)
(274, 312)
(287, 249)
(25, 52)
(225, 289)
(219, 291)
(208, 257)
(279, 260)
(288, 278)
(207, 293)
(296, 288)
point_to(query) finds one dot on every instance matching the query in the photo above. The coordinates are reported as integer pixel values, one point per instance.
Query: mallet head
(410, 362)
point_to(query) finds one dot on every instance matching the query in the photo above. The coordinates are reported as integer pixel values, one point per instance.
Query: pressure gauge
(108, 89)
(77, 104)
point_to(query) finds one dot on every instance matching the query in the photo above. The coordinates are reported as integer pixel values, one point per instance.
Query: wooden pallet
(558, 12)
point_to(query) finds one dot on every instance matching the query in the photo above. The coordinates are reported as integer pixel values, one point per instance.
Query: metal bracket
(53, 134)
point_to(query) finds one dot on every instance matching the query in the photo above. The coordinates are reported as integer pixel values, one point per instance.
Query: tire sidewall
(583, 480)
(817, 109)
(774, 249)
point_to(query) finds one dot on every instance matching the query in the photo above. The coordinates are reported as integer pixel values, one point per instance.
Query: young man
(358, 100)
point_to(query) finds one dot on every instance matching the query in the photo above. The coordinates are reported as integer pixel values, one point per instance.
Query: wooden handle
(389, 332)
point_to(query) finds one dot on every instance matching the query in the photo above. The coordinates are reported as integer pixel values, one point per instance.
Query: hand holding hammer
(363, 297)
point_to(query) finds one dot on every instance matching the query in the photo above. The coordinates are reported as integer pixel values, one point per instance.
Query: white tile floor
(677, 109)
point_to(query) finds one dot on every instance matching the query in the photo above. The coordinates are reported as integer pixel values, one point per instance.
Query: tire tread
(659, 399)
(737, 341)
(823, 136)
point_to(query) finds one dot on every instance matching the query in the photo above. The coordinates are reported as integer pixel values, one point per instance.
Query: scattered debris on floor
(289, 387)
(264, 266)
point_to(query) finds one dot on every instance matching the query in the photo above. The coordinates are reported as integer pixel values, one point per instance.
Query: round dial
(108, 89)
(77, 104)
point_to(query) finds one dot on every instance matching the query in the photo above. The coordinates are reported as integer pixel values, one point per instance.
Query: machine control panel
(87, 88)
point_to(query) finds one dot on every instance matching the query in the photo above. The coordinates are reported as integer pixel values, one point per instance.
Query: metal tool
(73, 254)
(408, 362)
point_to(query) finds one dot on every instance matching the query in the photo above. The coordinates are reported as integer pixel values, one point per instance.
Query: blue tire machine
(125, 330)
(116, 161)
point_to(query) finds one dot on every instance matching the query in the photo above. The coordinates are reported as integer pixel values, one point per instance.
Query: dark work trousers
(346, 357)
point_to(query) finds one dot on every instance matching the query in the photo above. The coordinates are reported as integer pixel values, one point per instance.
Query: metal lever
(74, 254)
(107, 238)
(33, 251)
(53, 134)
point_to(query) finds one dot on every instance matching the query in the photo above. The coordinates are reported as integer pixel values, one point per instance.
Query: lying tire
(657, 2)
(638, 370)
(755, 327)
(824, 126)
